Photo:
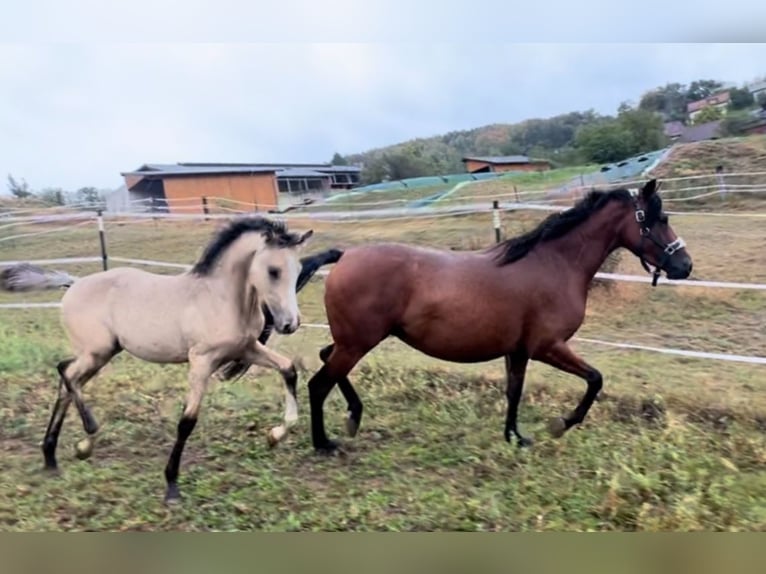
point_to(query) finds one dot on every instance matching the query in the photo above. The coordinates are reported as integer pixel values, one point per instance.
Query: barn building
(499, 164)
(187, 187)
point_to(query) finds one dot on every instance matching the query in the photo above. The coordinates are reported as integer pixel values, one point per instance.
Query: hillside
(736, 155)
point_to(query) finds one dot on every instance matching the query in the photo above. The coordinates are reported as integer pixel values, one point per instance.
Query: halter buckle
(674, 246)
(640, 215)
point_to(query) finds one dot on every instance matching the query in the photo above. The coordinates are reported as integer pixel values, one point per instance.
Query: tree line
(86, 196)
(574, 138)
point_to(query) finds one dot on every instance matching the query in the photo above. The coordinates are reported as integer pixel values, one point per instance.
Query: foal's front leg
(263, 356)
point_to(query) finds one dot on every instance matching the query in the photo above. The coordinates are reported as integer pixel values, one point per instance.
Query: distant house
(498, 164)
(720, 100)
(674, 130)
(706, 131)
(181, 187)
(757, 88)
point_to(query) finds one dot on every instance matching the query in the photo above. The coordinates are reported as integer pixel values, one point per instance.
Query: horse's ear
(305, 236)
(649, 189)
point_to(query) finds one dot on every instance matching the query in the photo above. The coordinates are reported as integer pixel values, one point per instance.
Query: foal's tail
(309, 266)
(27, 277)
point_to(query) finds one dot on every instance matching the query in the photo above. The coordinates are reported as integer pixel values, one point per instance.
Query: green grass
(677, 443)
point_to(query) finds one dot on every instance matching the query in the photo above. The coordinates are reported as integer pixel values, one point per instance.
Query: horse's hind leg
(337, 366)
(353, 402)
(562, 357)
(516, 366)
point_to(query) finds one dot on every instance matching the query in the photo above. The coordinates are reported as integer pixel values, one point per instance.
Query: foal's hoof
(173, 495)
(352, 426)
(524, 441)
(557, 427)
(84, 449)
(329, 448)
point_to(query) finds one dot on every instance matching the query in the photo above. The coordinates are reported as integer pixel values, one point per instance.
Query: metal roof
(502, 159)
(172, 169)
(300, 172)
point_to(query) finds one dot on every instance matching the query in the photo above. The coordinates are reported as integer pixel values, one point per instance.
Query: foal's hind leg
(51, 438)
(74, 374)
(562, 357)
(353, 402)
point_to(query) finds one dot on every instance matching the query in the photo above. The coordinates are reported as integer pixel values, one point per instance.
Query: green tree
(735, 122)
(700, 89)
(338, 159)
(708, 114)
(605, 142)
(741, 99)
(645, 127)
(53, 195)
(669, 100)
(19, 189)
(89, 195)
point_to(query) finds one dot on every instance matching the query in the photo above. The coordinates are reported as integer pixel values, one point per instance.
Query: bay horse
(210, 317)
(521, 299)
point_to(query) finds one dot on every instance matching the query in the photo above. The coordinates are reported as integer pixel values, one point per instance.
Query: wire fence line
(685, 188)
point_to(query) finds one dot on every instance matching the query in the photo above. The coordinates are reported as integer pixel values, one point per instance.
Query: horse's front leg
(263, 356)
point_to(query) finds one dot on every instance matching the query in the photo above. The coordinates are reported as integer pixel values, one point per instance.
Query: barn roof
(281, 169)
(160, 170)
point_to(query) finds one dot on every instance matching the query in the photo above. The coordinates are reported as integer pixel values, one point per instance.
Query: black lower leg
(185, 427)
(88, 420)
(51, 438)
(354, 403)
(515, 366)
(595, 382)
(320, 386)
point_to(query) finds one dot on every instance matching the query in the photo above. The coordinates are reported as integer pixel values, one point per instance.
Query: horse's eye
(274, 273)
(663, 219)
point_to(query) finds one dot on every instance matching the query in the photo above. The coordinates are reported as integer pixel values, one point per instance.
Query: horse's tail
(312, 263)
(309, 266)
(27, 277)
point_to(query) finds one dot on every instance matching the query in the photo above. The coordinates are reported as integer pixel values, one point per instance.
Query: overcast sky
(73, 115)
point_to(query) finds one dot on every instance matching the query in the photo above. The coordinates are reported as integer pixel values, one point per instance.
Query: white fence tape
(324, 272)
(681, 352)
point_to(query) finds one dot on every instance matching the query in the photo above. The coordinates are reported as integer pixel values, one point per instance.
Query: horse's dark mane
(556, 225)
(276, 234)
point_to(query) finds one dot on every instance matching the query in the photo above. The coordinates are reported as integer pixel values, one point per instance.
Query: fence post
(496, 219)
(102, 239)
(205, 209)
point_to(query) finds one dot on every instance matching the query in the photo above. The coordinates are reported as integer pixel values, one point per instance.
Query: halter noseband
(668, 249)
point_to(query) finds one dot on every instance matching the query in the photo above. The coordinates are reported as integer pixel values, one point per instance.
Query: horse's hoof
(84, 449)
(173, 495)
(51, 471)
(523, 441)
(352, 426)
(329, 448)
(557, 427)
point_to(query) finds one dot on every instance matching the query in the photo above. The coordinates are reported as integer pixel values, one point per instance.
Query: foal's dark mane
(276, 234)
(556, 225)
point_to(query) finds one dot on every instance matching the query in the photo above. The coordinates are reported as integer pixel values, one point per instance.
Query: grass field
(676, 444)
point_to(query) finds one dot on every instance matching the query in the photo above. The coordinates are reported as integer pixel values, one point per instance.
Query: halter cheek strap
(668, 249)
